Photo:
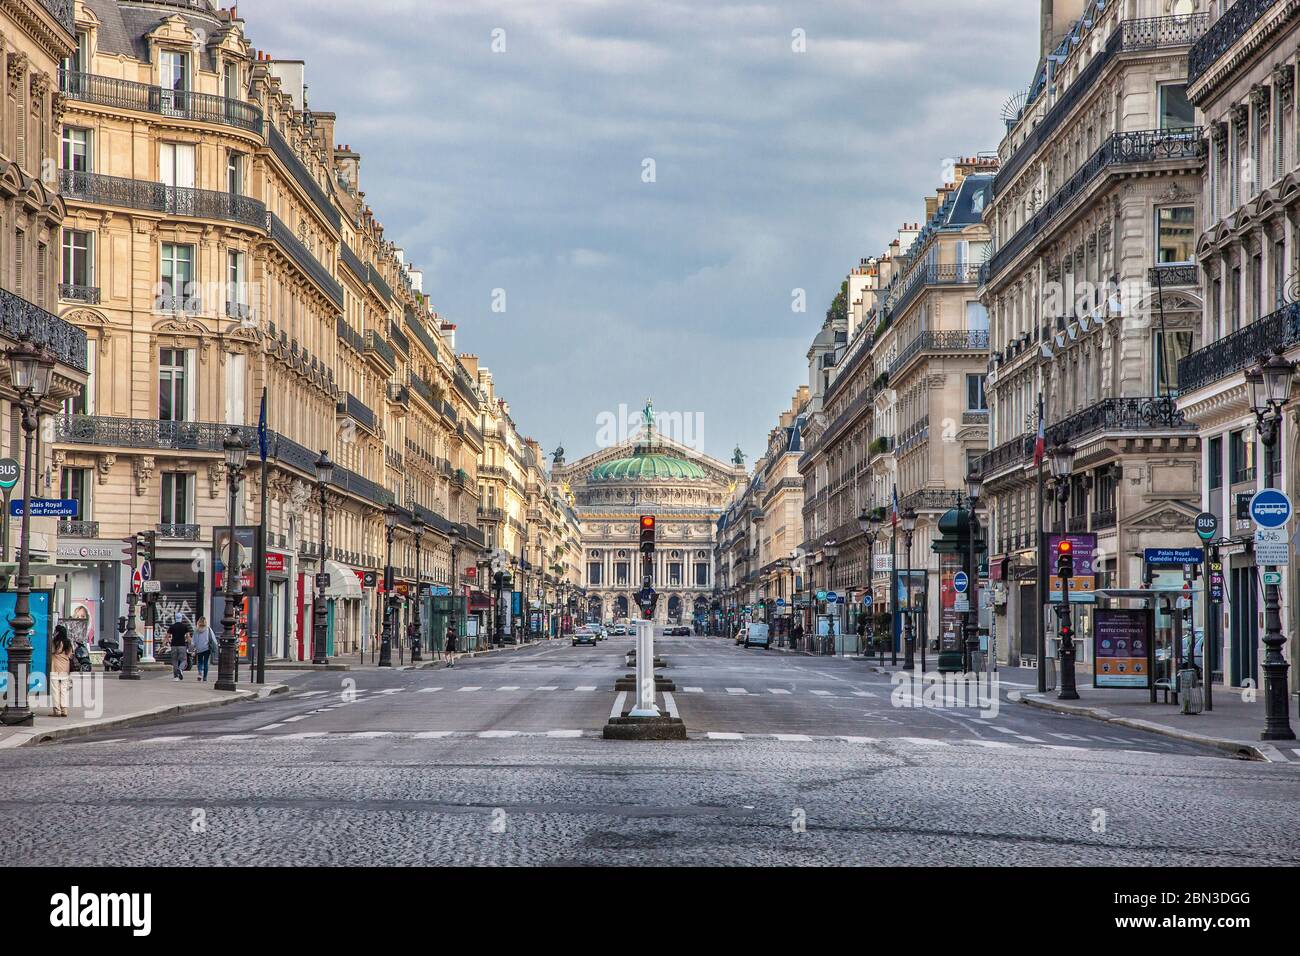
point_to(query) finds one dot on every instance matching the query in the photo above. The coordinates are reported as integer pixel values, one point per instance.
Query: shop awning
(343, 582)
(37, 568)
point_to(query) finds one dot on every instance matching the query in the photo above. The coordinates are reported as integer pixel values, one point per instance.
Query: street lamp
(869, 522)
(1270, 389)
(453, 537)
(391, 518)
(417, 640)
(30, 372)
(1062, 462)
(974, 485)
(236, 452)
(909, 625)
(831, 551)
(320, 615)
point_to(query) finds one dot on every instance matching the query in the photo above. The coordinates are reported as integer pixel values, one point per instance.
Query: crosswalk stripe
(509, 687)
(429, 690)
(863, 693)
(270, 727)
(1296, 751)
(717, 735)
(924, 741)
(1067, 736)
(498, 733)
(737, 690)
(693, 690)
(1061, 747)
(236, 737)
(585, 688)
(164, 739)
(360, 734)
(392, 690)
(1028, 739)
(822, 693)
(777, 690)
(564, 733)
(1005, 730)
(1000, 744)
(550, 687)
(433, 734)
(792, 737)
(468, 689)
(305, 735)
(309, 693)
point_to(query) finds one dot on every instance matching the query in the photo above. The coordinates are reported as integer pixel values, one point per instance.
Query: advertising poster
(950, 620)
(1084, 581)
(1121, 644)
(39, 603)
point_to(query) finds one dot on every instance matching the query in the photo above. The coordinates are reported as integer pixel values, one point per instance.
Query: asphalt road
(499, 760)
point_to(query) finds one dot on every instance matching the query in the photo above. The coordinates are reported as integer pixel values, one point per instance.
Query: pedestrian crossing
(358, 692)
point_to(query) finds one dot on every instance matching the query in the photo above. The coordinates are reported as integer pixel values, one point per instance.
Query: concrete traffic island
(644, 721)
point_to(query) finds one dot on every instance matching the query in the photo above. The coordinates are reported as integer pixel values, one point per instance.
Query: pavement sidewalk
(103, 701)
(357, 662)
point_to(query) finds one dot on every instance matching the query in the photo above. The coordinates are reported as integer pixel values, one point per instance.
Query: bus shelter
(1140, 639)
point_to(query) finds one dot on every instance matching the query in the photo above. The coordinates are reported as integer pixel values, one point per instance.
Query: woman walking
(205, 641)
(61, 671)
(449, 647)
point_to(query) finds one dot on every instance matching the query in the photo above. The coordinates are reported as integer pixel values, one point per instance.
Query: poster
(39, 603)
(1121, 646)
(1084, 581)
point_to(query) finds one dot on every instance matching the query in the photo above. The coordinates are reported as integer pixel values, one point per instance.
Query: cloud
(774, 170)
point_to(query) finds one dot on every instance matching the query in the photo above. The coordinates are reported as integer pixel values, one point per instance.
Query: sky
(620, 200)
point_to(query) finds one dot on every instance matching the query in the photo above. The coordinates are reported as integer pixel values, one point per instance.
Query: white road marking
(693, 690)
(310, 693)
(1062, 747)
(468, 689)
(1067, 736)
(392, 690)
(550, 687)
(792, 738)
(670, 704)
(270, 727)
(564, 733)
(1296, 751)
(737, 690)
(822, 693)
(304, 736)
(924, 741)
(432, 734)
(294, 720)
(165, 739)
(617, 709)
(777, 690)
(1029, 739)
(359, 734)
(585, 688)
(715, 735)
(1006, 730)
(428, 690)
(509, 687)
(864, 693)
(498, 733)
(856, 740)
(235, 737)
(1001, 744)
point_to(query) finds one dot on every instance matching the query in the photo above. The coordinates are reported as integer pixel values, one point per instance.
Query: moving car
(756, 635)
(740, 635)
(585, 635)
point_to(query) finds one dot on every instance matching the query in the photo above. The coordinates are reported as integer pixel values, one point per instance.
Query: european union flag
(261, 429)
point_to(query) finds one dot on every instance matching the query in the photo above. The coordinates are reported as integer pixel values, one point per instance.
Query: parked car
(740, 634)
(756, 635)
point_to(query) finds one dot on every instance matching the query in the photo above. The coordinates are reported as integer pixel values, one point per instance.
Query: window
(1175, 111)
(177, 279)
(1215, 464)
(78, 260)
(1241, 455)
(675, 574)
(173, 385)
(176, 489)
(76, 149)
(701, 575)
(976, 400)
(74, 484)
(1168, 348)
(593, 573)
(236, 286)
(620, 573)
(1279, 274)
(234, 173)
(176, 165)
(1176, 226)
(173, 72)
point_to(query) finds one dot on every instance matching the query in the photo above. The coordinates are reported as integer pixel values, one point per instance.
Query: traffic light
(647, 534)
(1064, 559)
(148, 549)
(1066, 631)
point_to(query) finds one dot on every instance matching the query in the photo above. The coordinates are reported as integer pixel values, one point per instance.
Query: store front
(94, 595)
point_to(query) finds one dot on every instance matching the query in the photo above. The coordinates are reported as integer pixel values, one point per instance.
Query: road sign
(323, 580)
(960, 582)
(1173, 556)
(1270, 508)
(961, 604)
(8, 473)
(136, 581)
(780, 602)
(1271, 546)
(46, 508)
(152, 587)
(146, 570)
(832, 597)
(866, 600)
(1207, 525)
(1273, 577)
(821, 595)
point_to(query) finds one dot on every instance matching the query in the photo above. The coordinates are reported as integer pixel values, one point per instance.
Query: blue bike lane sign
(1270, 508)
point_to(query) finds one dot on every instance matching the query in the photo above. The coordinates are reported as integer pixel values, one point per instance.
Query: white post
(645, 671)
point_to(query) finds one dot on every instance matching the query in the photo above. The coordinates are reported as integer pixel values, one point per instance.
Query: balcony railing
(421, 333)
(399, 394)
(178, 104)
(62, 11)
(930, 499)
(1226, 31)
(181, 532)
(298, 170)
(1103, 519)
(897, 299)
(950, 341)
(1173, 274)
(1156, 33)
(350, 336)
(20, 319)
(1119, 149)
(88, 294)
(302, 257)
(423, 389)
(381, 348)
(161, 198)
(1118, 415)
(357, 410)
(398, 338)
(1241, 349)
(1014, 452)
(79, 529)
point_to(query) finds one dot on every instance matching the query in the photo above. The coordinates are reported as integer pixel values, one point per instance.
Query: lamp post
(1270, 389)
(974, 485)
(391, 517)
(236, 451)
(30, 372)
(1062, 464)
(909, 625)
(869, 523)
(320, 614)
(453, 539)
(417, 640)
(831, 551)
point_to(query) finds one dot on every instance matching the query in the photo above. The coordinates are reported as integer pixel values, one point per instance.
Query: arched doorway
(620, 608)
(595, 609)
(675, 610)
(700, 617)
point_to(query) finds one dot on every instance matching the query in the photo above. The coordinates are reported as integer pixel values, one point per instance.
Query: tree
(839, 305)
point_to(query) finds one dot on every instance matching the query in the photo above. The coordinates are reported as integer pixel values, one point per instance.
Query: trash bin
(1189, 686)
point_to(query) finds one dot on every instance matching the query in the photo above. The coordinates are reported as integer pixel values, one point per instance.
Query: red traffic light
(648, 521)
(1064, 546)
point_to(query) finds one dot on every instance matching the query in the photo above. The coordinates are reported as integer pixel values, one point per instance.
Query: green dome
(647, 467)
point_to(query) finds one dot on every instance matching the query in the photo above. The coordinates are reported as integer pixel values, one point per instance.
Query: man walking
(179, 634)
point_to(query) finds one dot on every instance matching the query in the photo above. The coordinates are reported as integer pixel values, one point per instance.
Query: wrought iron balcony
(381, 348)
(350, 336)
(1119, 149)
(283, 236)
(302, 175)
(149, 433)
(357, 410)
(1241, 349)
(399, 338)
(952, 341)
(88, 294)
(161, 198)
(1016, 451)
(420, 332)
(930, 499)
(1156, 413)
(1226, 31)
(182, 532)
(422, 388)
(1173, 274)
(240, 311)
(897, 298)
(1156, 33)
(79, 529)
(175, 104)
(62, 11)
(1103, 519)
(399, 394)
(20, 319)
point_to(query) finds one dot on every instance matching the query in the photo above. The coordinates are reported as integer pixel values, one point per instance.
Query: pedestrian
(449, 647)
(796, 636)
(60, 671)
(179, 635)
(205, 641)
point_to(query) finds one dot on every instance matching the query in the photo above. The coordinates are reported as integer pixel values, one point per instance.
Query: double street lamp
(909, 625)
(831, 551)
(30, 373)
(320, 614)
(1270, 390)
(417, 640)
(453, 538)
(869, 522)
(236, 452)
(391, 517)
(974, 485)
(1062, 463)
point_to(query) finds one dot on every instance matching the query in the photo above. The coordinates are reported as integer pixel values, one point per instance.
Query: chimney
(469, 362)
(448, 330)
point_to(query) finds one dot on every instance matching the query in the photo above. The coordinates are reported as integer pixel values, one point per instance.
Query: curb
(25, 739)
(1237, 748)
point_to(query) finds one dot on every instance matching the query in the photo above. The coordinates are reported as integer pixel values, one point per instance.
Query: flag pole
(1039, 452)
(263, 585)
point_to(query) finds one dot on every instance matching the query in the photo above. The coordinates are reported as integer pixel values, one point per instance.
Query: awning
(38, 568)
(343, 582)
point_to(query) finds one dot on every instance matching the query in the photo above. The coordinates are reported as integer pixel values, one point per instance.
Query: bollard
(645, 671)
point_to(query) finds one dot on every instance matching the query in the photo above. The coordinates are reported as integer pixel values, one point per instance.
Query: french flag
(895, 506)
(1040, 442)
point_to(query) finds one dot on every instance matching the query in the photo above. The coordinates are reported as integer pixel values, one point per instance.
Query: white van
(756, 635)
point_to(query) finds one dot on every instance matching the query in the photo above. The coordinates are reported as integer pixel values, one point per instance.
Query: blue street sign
(960, 582)
(780, 602)
(1270, 508)
(46, 508)
(1174, 556)
(866, 600)
(832, 597)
